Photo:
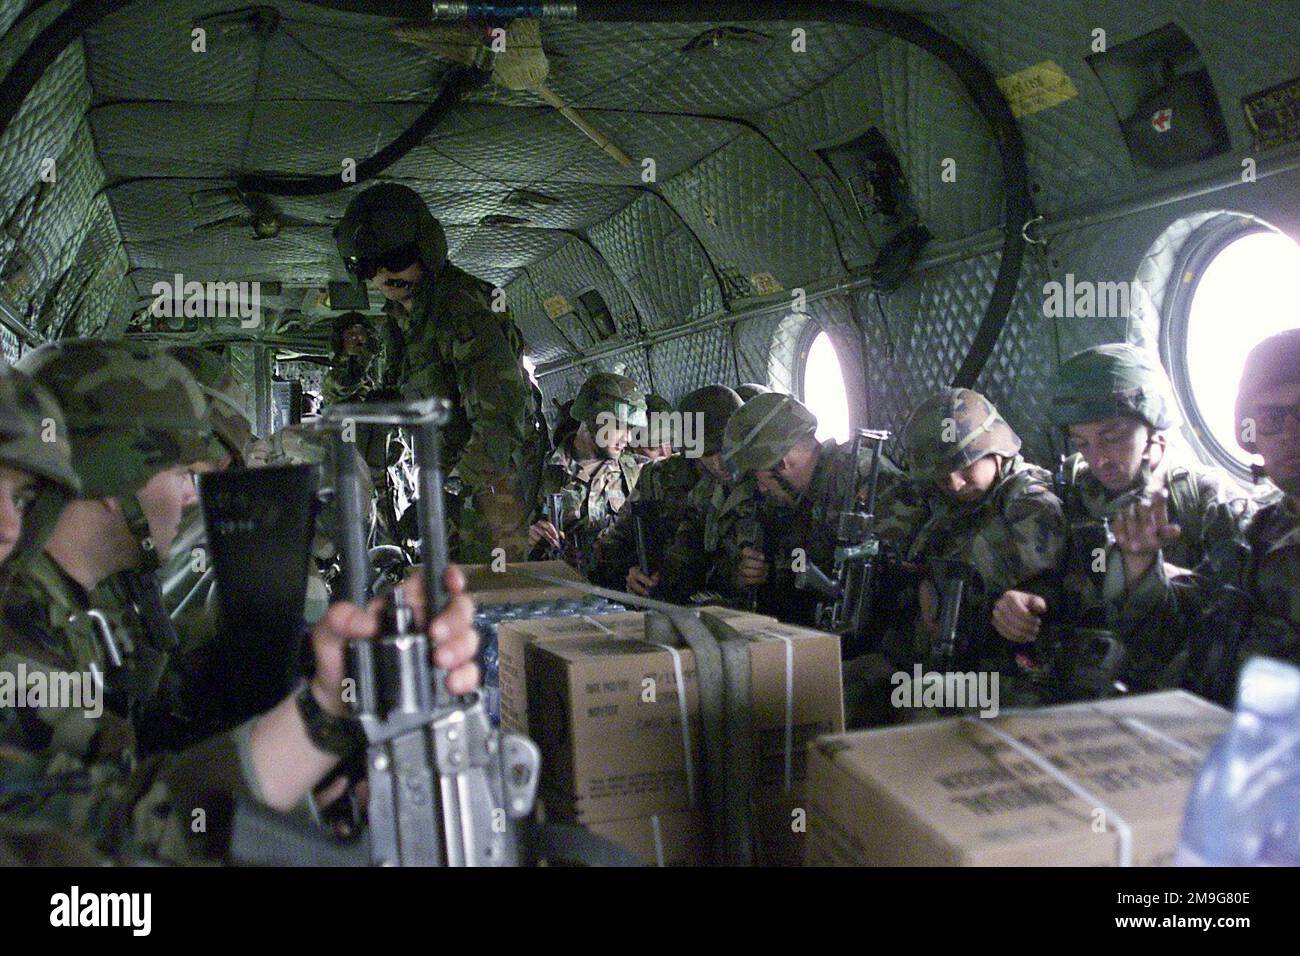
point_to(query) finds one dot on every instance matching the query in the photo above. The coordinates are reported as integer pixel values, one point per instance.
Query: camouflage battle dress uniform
(1012, 537)
(453, 344)
(758, 437)
(130, 413)
(1244, 598)
(1120, 380)
(351, 377)
(594, 489)
(674, 494)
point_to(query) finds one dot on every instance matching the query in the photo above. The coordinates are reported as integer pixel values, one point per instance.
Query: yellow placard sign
(764, 283)
(1036, 88)
(556, 306)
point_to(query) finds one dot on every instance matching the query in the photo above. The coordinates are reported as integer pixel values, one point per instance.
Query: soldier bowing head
(957, 440)
(773, 437)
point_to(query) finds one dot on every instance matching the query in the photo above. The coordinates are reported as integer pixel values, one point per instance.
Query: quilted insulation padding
(312, 54)
(647, 68)
(1076, 151)
(569, 271)
(543, 340)
(755, 214)
(660, 262)
(925, 115)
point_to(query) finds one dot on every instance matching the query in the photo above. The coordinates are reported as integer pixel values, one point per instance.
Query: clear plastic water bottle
(1244, 809)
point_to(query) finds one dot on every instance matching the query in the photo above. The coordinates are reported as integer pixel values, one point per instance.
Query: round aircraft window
(824, 391)
(1237, 286)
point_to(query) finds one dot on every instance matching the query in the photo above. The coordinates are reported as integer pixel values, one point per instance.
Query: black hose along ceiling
(973, 77)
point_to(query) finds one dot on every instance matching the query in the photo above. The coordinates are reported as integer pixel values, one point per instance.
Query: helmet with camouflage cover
(227, 399)
(389, 221)
(608, 394)
(763, 430)
(1110, 380)
(952, 429)
(41, 447)
(663, 428)
(131, 411)
(748, 390)
(716, 404)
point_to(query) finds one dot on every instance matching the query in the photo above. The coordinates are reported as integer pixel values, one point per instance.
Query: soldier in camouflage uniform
(354, 365)
(448, 334)
(984, 507)
(657, 438)
(1116, 405)
(137, 422)
(673, 494)
(72, 764)
(1244, 598)
(592, 469)
(783, 514)
(141, 602)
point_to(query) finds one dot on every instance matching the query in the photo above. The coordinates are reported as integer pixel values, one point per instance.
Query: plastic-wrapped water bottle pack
(486, 620)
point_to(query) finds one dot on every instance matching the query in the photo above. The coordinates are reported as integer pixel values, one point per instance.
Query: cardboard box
(952, 793)
(514, 636)
(513, 586)
(669, 839)
(605, 710)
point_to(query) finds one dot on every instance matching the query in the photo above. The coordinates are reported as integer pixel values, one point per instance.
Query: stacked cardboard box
(513, 586)
(618, 757)
(1080, 785)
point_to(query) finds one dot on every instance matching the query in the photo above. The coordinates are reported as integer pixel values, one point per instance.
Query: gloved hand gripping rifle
(847, 605)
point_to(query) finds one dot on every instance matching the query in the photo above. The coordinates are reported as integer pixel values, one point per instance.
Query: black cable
(460, 81)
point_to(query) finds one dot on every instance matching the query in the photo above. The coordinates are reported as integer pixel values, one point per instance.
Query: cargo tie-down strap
(1114, 821)
(722, 668)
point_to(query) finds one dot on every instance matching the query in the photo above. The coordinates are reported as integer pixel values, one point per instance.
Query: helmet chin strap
(138, 525)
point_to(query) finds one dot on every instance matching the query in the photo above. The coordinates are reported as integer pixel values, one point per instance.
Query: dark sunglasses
(394, 260)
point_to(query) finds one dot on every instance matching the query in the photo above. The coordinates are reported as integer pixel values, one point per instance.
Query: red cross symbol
(1161, 119)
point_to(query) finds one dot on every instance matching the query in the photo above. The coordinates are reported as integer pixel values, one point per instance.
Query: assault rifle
(554, 510)
(954, 581)
(846, 608)
(444, 786)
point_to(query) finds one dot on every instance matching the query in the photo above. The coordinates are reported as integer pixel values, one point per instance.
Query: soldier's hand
(1140, 531)
(753, 568)
(641, 583)
(452, 631)
(544, 531)
(1016, 616)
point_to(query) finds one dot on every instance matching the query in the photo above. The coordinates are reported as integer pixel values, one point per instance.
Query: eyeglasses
(1271, 419)
(394, 260)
